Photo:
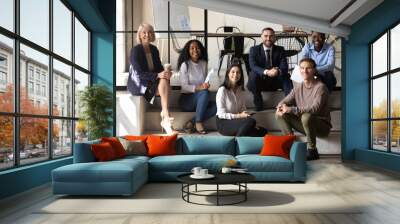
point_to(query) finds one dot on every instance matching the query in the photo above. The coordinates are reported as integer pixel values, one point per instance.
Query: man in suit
(269, 68)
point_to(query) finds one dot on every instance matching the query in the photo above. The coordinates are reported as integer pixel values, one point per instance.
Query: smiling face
(234, 75)
(307, 70)
(146, 35)
(318, 40)
(194, 51)
(268, 37)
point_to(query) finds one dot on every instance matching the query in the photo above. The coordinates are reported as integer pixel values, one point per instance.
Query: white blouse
(229, 103)
(192, 75)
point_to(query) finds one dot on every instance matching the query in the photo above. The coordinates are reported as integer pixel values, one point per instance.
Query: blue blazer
(139, 75)
(258, 60)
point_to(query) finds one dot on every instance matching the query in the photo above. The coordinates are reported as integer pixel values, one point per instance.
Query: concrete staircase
(266, 118)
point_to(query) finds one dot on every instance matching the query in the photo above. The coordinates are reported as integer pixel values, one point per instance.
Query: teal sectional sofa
(125, 176)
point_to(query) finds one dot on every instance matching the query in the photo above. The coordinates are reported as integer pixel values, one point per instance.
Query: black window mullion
(206, 30)
(371, 92)
(89, 55)
(388, 95)
(16, 83)
(73, 82)
(50, 81)
(169, 33)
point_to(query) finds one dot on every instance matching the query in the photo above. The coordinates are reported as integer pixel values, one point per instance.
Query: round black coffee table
(238, 179)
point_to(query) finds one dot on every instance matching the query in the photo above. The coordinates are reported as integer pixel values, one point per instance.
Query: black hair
(309, 60)
(323, 35)
(241, 80)
(184, 56)
(267, 28)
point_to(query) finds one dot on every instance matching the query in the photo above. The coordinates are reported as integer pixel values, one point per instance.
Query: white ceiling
(320, 9)
(307, 14)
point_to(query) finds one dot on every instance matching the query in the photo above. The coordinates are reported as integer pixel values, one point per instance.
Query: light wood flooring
(376, 189)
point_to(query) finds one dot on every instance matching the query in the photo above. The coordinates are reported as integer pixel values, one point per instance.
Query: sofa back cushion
(249, 145)
(83, 152)
(161, 145)
(104, 152)
(134, 147)
(116, 145)
(197, 145)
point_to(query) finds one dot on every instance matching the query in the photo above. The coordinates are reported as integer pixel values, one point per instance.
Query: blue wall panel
(24, 178)
(103, 61)
(356, 85)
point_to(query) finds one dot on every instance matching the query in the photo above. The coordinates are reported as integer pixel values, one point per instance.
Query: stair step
(271, 99)
(264, 118)
(330, 145)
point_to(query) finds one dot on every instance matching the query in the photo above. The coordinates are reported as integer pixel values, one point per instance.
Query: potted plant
(96, 103)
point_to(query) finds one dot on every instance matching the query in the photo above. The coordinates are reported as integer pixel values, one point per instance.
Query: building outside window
(37, 74)
(44, 91)
(30, 87)
(58, 134)
(3, 72)
(44, 77)
(38, 89)
(385, 96)
(30, 72)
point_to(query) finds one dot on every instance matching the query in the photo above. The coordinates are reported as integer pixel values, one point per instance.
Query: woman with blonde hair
(147, 77)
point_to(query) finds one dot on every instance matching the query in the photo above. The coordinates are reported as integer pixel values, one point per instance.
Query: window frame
(15, 68)
(388, 74)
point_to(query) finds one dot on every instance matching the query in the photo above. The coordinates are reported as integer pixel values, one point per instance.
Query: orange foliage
(33, 130)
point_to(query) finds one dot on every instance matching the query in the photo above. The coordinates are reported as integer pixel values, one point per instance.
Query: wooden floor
(377, 189)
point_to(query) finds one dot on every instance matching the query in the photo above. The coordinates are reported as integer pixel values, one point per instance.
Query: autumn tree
(32, 130)
(380, 127)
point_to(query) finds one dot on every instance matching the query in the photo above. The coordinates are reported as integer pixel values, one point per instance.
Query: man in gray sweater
(306, 108)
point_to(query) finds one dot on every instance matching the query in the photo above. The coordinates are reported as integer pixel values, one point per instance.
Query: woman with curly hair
(192, 65)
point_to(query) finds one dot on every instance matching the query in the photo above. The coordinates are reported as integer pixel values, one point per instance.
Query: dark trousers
(200, 103)
(240, 127)
(329, 79)
(307, 124)
(257, 84)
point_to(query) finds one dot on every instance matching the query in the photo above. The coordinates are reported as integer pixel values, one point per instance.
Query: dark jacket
(258, 61)
(139, 75)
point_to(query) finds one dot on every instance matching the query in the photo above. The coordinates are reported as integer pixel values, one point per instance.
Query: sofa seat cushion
(257, 163)
(185, 163)
(205, 145)
(133, 157)
(112, 171)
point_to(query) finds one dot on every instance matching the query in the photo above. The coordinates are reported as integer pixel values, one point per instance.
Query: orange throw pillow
(103, 152)
(116, 145)
(277, 145)
(161, 145)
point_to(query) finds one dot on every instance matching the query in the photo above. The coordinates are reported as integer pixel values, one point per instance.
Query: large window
(385, 95)
(40, 80)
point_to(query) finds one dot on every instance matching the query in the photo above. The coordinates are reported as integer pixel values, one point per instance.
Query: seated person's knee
(306, 118)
